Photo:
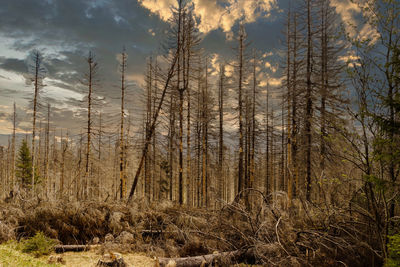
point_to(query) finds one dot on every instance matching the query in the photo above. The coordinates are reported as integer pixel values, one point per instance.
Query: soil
(90, 258)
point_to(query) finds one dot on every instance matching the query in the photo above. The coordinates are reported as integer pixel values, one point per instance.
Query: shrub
(38, 245)
(393, 251)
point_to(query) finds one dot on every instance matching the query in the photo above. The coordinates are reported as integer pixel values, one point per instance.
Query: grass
(10, 256)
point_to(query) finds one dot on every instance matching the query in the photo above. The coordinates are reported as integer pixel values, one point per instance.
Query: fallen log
(197, 261)
(72, 248)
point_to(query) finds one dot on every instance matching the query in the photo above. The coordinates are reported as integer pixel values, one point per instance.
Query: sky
(64, 31)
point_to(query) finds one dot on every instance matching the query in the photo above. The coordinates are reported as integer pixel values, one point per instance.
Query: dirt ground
(89, 258)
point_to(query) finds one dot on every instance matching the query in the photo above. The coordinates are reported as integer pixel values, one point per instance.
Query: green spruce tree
(23, 170)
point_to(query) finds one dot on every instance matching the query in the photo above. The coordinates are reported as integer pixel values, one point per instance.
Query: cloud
(213, 14)
(161, 8)
(349, 12)
(14, 65)
(151, 31)
(270, 67)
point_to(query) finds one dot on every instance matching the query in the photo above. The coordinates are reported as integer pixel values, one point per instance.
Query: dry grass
(266, 232)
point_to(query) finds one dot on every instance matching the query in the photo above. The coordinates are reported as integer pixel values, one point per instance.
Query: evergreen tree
(23, 170)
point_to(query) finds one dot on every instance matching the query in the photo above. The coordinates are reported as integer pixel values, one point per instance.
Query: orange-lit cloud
(212, 15)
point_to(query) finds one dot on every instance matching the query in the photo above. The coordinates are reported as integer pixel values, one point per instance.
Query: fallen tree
(202, 260)
(71, 248)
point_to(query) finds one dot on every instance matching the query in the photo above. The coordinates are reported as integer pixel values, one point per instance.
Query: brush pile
(265, 232)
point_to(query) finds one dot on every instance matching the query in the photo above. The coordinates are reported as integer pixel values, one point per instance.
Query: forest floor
(12, 257)
(262, 232)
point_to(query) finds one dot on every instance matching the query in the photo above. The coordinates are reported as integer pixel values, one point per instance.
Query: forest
(222, 169)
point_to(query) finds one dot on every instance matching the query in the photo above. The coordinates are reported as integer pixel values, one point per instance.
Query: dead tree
(122, 177)
(149, 88)
(221, 93)
(90, 82)
(13, 148)
(267, 146)
(240, 107)
(38, 71)
(157, 111)
(289, 97)
(309, 103)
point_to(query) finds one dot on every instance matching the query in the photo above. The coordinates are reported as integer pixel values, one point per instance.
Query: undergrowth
(393, 259)
(11, 256)
(266, 232)
(38, 245)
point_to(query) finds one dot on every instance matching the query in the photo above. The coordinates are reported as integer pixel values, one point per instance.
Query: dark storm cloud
(74, 27)
(14, 65)
(65, 30)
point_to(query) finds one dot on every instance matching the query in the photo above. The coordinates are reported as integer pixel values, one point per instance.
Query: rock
(56, 259)
(125, 238)
(109, 238)
(95, 240)
(112, 259)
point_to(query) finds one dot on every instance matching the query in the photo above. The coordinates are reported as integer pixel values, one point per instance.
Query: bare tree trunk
(221, 130)
(289, 96)
(294, 108)
(204, 140)
(324, 86)
(64, 148)
(267, 148)
(99, 167)
(153, 125)
(37, 61)
(309, 103)
(253, 122)
(171, 145)
(282, 172)
(46, 168)
(240, 105)
(122, 176)
(180, 91)
(147, 171)
(12, 183)
(90, 82)
(154, 159)
(199, 127)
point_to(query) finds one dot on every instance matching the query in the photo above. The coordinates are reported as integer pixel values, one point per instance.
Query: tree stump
(112, 260)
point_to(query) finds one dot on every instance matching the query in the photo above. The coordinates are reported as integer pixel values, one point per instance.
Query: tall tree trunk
(289, 96)
(240, 105)
(13, 148)
(253, 122)
(294, 109)
(171, 145)
(147, 172)
(122, 176)
(153, 125)
(37, 62)
(267, 148)
(90, 82)
(309, 103)
(221, 131)
(324, 87)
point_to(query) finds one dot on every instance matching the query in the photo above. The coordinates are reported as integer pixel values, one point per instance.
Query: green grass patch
(12, 256)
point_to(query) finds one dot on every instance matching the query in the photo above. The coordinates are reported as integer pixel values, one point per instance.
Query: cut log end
(112, 260)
